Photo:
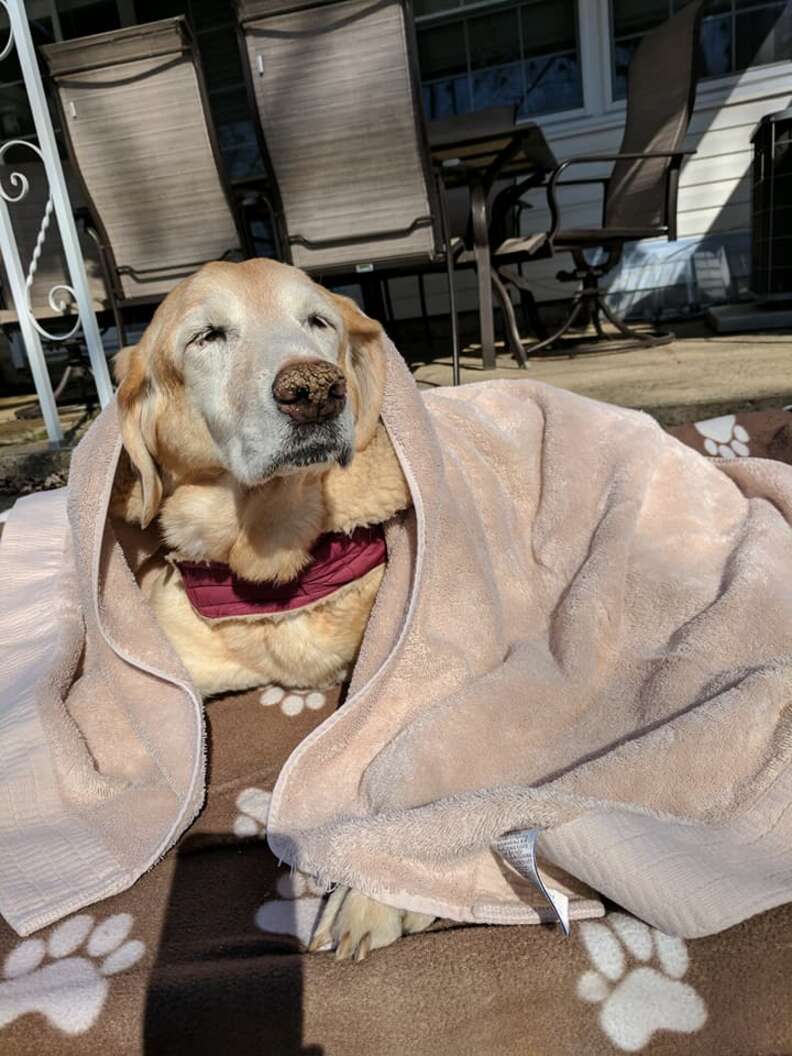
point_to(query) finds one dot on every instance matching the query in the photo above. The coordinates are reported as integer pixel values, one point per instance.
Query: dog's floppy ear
(365, 368)
(137, 408)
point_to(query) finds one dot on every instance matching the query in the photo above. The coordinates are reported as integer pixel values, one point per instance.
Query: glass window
(442, 55)
(735, 34)
(517, 53)
(496, 76)
(762, 34)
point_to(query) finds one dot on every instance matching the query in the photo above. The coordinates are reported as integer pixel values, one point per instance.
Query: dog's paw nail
(364, 948)
(345, 948)
(320, 939)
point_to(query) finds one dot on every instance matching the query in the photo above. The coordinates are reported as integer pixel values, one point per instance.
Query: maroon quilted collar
(337, 559)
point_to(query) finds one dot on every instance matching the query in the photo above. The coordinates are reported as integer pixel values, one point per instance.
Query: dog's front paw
(354, 924)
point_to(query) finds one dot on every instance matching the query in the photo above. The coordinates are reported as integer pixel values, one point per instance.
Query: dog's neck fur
(266, 533)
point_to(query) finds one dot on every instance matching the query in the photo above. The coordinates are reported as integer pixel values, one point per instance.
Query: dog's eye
(318, 322)
(208, 335)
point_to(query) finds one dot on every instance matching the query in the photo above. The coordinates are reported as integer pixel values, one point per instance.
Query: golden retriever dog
(249, 413)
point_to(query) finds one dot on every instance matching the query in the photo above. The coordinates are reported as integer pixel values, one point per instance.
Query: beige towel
(584, 628)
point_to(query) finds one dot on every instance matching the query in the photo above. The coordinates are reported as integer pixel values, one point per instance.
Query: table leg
(373, 300)
(481, 251)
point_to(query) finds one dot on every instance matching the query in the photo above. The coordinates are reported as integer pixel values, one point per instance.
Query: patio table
(474, 151)
(488, 144)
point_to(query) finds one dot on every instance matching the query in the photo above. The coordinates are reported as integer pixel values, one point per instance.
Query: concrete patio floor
(700, 375)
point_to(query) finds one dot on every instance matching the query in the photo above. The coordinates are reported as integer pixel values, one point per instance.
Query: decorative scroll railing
(13, 188)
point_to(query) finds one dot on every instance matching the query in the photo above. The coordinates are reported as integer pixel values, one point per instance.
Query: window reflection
(525, 54)
(735, 34)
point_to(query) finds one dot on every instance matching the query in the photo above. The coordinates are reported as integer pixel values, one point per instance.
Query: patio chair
(137, 126)
(335, 86)
(640, 194)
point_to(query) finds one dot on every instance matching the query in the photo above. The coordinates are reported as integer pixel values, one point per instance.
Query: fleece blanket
(572, 637)
(205, 952)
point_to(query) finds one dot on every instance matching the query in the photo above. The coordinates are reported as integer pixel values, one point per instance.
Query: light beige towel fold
(584, 627)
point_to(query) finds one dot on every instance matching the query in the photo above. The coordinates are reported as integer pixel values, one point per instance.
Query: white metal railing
(19, 281)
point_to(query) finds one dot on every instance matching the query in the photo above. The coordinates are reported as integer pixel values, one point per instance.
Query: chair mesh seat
(134, 114)
(336, 99)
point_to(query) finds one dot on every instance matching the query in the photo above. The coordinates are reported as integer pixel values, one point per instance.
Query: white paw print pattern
(723, 437)
(296, 912)
(253, 805)
(637, 1000)
(293, 702)
(65, 978)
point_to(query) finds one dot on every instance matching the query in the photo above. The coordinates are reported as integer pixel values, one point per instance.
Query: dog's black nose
(310, 390)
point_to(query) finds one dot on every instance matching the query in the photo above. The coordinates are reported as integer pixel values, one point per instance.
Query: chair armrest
(676, 157)
(456, 246)
(585, 159)
(583, 182)
(252, 199)
(510, 198)
(82, 216)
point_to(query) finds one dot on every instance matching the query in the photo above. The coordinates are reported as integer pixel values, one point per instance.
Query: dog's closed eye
(318, 322)
(209, 335)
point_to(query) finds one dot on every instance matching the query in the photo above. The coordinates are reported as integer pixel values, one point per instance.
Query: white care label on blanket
(518, 849)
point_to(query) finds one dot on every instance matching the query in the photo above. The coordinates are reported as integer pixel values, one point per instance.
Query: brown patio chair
(138, 130)
(336, 89)
(640, 194)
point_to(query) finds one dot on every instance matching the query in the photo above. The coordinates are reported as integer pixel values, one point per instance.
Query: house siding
(710, 262)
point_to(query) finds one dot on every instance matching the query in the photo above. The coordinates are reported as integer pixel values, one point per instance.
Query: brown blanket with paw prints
(204, 954)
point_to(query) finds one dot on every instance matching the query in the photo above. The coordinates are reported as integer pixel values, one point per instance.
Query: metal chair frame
(588, 302)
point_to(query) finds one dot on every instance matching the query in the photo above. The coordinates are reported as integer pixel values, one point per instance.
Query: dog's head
(251, 369)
